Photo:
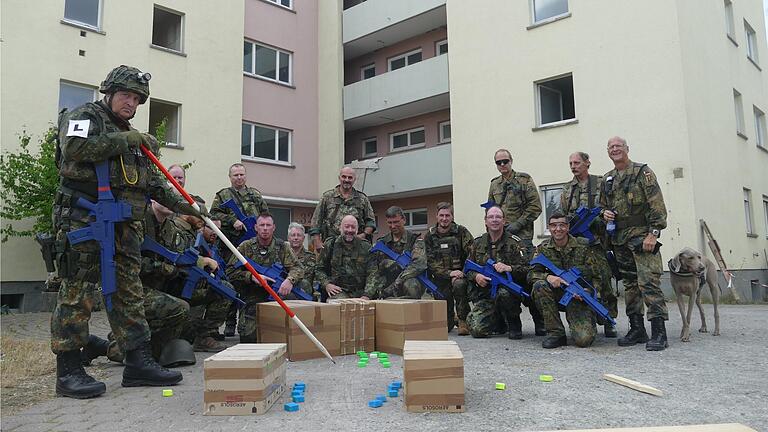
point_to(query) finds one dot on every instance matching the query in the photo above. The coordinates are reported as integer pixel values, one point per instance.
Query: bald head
(347, 177)
(348, 228)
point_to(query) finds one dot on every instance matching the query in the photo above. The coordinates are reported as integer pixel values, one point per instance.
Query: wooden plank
(715, 248)
(633, 384)
(727, 427)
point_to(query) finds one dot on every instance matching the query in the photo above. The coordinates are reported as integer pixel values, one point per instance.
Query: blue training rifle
(497, 279)
(249, 222)
(276, 272)
(404, 260)
(212, 252)
(574, 280)
(581, 222)
(108, 211)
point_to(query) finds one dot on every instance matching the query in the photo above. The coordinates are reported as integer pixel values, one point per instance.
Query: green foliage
(160, 133)
(28, 183)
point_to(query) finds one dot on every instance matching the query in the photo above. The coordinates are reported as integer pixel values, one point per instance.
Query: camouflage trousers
(69, 320)
(208, 310)
(166, 315)
(486, 311)
(455, 292)
(385, 278)
(252, 295)
(605, 290)
(580, 317)
(303, 285)
(641, 277)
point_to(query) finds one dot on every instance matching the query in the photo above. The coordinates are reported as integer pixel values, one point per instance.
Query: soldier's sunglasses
(501, 162)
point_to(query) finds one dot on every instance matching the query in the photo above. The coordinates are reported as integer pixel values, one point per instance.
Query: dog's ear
(674, 264)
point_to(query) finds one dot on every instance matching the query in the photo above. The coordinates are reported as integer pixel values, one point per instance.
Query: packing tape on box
(429, 374)
(426, 312)
(412, 327)
(318, 316)
(297, 331)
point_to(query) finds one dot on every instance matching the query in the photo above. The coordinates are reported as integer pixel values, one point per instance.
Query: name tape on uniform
(78, 128)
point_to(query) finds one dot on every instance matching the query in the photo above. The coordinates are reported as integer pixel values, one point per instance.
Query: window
(739, 109)
(404, 60)
(266, 62)
(369, 147)
(416, 219)
(765, 212)
(748, 212)
(266, 143)
(760, 132)
(170, 113)
(72, 95)
(550, 202)
(283, 3)
(167, 29)
(441, 47)
(406, 139)
(751, 42)
(545, 9)
(282, 218)
(83, 12)
(368, 71)
(729, 27)
(444, 129)
(555, 99)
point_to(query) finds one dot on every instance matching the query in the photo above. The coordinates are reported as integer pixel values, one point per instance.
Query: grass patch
(27, 373)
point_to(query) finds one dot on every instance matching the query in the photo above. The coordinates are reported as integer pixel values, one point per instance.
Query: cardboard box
(322, 319)
(434, 376)
(401, 319)
(358, 325)
(243, 380)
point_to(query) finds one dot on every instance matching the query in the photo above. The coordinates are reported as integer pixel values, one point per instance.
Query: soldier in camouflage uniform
(307, 259)
(96, 132)
(517, 195)
(389, 280)
(584, 191)
(345, 265)
(506, 250)
(338, 202)
(447, 245)
(251, 203)
(632, 200)
(565, 251)
(265, 250)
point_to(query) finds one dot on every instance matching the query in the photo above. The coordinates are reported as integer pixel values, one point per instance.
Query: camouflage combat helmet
(127, 78)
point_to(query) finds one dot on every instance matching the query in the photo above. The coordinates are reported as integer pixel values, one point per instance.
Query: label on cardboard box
(226, 402)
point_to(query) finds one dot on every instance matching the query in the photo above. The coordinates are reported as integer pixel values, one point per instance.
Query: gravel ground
(708, 380)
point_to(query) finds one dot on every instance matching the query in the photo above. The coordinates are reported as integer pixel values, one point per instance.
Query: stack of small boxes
(434, 376)
(244, 379)
(358, 319)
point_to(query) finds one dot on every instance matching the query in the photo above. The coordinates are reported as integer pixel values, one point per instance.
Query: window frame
(280, 4)
(99, 18)
(438, 44)
(749, 219)
(441, 136)
(751, 43)
(409, 218)
(738, 106)
(543, 189)
(548, 19)
(277, 50)
(94, 90)
(730, 22)
(276, 161)
(408, 146)
(765, 214)
(170, 144)
(365, 68)
(404, 56)
(363, 142)
(182, 25)
(538, 85)
(761, 132)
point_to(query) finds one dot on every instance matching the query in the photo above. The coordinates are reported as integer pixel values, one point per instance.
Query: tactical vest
(445, 251)
(344, 268)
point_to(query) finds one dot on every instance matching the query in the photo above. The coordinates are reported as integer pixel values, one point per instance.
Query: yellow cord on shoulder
(125, 175)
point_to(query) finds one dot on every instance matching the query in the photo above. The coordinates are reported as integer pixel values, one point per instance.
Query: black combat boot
(658, 339)
(538, 321)
(251, 338)
(554, 342)
(609, 330)
(141, 369)
(72, 380)
(515, 327)
(229, 329)
(636, 333)
(96, 347)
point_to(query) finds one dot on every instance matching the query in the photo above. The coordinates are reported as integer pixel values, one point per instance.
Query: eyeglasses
(558, 225)
(501, 162)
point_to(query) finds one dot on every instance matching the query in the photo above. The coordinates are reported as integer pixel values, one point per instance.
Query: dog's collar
(686, 273)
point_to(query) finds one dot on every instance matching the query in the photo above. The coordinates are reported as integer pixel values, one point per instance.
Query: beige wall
(661, 80)
(38, 51)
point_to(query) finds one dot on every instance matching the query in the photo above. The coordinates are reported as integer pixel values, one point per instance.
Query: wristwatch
(656, 233)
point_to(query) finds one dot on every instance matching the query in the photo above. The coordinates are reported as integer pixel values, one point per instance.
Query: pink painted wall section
(425, 41)
(428, 201)
(293, 108)
(353, 140)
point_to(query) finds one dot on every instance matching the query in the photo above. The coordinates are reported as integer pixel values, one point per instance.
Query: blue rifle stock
(497, 279)
(249, 222)
(404, 260)
(188, 261)
(581, 222)
(574, 280)
(211, 252)
(277, 272)
(108, 211)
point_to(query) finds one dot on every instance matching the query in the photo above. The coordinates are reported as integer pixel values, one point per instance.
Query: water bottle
(610, 228)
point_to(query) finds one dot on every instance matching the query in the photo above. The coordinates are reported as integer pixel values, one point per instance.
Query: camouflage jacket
(388, 271)
(518, 196)
(248, 199)
(278, 251)
(575, 253)
(577, 194)
(347, 265)
(308, 261)
(333, 207)
(447, 252)
(132, 175)
(176, 235)
(635, 196)
(507, 250)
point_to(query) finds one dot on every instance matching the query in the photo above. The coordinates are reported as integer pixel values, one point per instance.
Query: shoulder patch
(78, 128)
(516, 238)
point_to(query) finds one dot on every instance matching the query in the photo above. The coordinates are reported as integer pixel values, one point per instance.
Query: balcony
(413, 90)
(375, 24)
(411, 173)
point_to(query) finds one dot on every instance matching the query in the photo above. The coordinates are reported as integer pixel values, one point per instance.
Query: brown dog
(689, 271)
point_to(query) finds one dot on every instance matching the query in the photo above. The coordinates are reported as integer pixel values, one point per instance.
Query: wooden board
(715, 248)
(633, 384)
(728, 427)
